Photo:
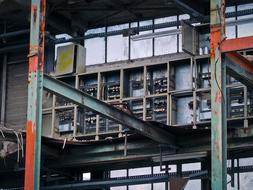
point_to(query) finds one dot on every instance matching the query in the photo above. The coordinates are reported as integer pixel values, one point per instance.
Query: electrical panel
(203, 107)
(70, 59)
(157, 80)
(235, 102)
(111, 86)
(133, 83)
(113, 91)
(157, 109)
(90, 121)
(66, 121)
(203, 74)
(89, 85)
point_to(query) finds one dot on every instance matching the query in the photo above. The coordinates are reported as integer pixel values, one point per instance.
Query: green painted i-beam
(35, 91)
(84, 100)
(218, 98)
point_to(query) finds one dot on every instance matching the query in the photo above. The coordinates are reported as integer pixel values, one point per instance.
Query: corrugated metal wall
(16, 99)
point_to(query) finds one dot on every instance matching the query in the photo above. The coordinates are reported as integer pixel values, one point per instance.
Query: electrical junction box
(189, 38)
(70, 59)
(195, 39)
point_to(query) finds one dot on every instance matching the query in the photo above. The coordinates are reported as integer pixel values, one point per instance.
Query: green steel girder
(218, 98)
(35, 91)
(240, 68)
(84, 100)
(145, 149)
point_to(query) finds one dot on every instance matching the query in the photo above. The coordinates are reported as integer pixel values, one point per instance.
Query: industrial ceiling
(66, 16)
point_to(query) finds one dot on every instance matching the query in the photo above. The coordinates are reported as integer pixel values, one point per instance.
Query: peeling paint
(35, 91)
(30, 148)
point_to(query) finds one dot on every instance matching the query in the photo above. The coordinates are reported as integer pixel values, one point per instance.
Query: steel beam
(191, 8)
(218, 100)
(237, 44)
(240, 68)
(113, 182)
(15, 33)
(35, 90)
(84, 100)
(142, 179)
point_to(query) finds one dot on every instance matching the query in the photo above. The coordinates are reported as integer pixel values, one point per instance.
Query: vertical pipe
(167, 171)
(76, 109)
(99, 94)
(218, 101)
(129, 42)
(153, 39)
(152, 173)
(238, 175)
(168, 94)
(236, 19)
(53, 116)
(35, 90)
(127, 176)
(245, 94)
(121, 96)
(106, 41)
(145, 93)
(178, 43)
(193, 77)
(3, 89)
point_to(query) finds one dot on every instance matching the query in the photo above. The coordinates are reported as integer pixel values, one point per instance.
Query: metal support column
(218, 100)
(35, 90)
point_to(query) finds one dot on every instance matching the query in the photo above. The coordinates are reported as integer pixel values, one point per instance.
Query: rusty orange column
(35, 91)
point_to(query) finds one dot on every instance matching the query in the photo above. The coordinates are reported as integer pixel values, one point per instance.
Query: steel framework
(241, 69)
(219, 45)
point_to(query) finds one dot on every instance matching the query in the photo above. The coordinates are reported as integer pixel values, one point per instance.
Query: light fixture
(156, 35)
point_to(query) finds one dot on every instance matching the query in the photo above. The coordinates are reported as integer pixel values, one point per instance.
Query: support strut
(35, 90)
(218, 98)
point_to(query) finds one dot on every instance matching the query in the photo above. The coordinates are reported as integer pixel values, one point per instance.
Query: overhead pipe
(15, 33)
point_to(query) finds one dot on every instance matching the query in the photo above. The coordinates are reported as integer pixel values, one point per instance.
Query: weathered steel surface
(35, 89)
(237, 44)
(218, 100)
(240, 68)
(82, 99)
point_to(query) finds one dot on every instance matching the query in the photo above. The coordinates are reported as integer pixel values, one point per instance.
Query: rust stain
(215, 40)
(42, 30)
(30, 155)
(33, 64)
(218, 97)
(34, 12)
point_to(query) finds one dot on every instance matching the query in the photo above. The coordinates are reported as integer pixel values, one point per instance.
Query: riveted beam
(84, 100)
(35, 90)
(218, 100)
